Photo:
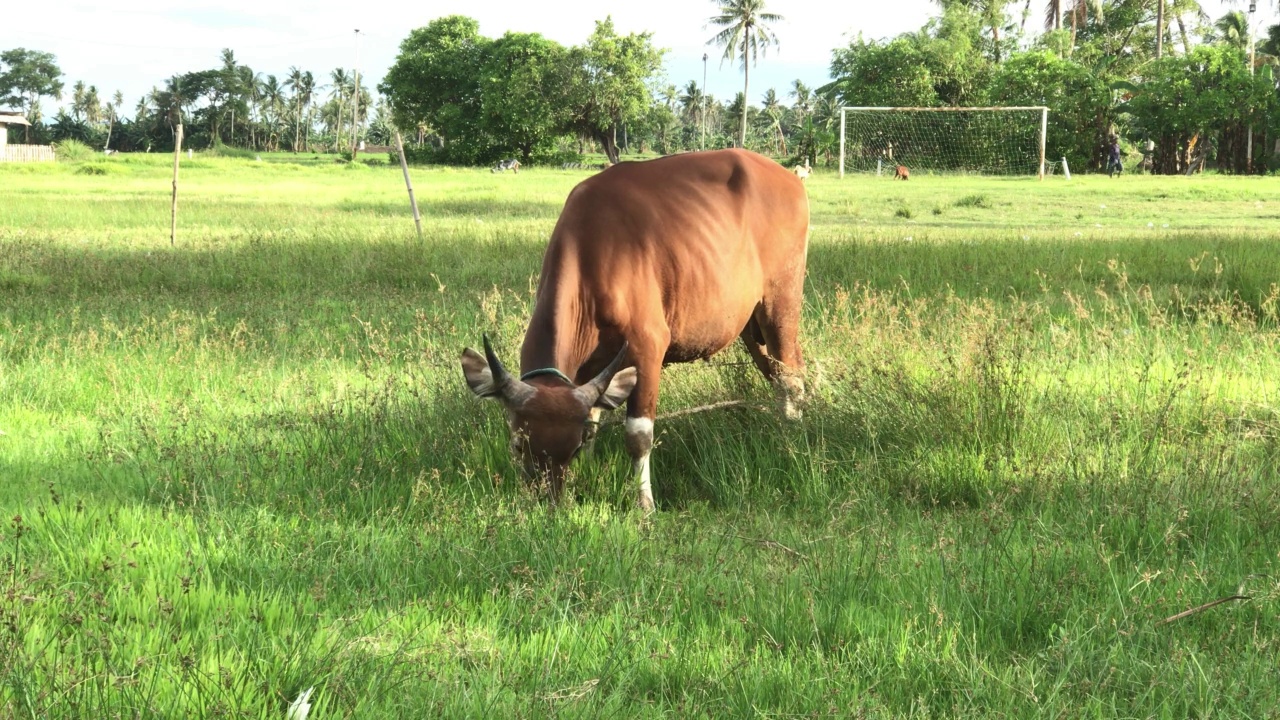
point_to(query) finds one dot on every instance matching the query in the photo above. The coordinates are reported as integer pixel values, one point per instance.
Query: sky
(131, 45)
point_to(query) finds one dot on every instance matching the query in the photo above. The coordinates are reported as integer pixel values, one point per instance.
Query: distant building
(15, 152)
(7, 118)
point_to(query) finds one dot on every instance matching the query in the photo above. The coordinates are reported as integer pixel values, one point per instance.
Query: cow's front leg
(639, 447)
(642, 407)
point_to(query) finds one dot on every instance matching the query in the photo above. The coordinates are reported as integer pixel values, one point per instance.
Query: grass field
(1043, 418)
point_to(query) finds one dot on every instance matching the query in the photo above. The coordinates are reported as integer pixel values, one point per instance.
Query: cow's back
(693, 241)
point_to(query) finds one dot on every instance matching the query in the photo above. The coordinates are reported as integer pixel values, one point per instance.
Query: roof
(7, 118)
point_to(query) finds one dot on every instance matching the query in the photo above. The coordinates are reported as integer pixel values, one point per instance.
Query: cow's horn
(510, 389)
(600, 383)
(501, 378)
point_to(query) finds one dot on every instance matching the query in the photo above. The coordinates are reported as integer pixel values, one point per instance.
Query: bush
(977, 200)
(101, 169)
(903, 212)
(73, 151)
(221, 150)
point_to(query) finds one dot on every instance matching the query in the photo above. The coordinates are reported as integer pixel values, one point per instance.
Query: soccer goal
(979, 140)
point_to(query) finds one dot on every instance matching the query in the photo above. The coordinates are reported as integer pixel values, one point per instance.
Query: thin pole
(1044, 129)
(842, 115)
(173, 211)
(355, 104)
(404, 167)
(702, 144)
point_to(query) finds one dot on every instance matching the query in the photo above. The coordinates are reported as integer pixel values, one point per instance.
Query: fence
(26, 153)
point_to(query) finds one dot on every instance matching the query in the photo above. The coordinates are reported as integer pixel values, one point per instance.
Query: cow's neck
(561, 334)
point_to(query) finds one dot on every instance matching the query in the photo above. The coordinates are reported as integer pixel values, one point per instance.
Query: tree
(273, 99)
(306, 91)
(896, 73)
(772, 112)
(250, 86)
(746, 34)
(435, 82)
(802, 96)
(25, 77)
(1203, 99)
(524, 92)
(609, 79)
(340, 89)
(112, 110)
(1082, 112)
(1233, 30)
(294, 82)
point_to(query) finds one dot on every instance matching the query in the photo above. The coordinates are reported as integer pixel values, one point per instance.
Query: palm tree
(250, 84)
(1233, 29)
(746, 34)
(294, 83)
(307, 91)
(273, 98)
(1080, 10)
(802, 95)
(340, 82)
(113, 110)
(690, 102)
(772, 111)
(1052, 15)
(79, 94)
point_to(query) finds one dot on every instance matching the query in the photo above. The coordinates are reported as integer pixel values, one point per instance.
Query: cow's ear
(479, 377)
(624, 381)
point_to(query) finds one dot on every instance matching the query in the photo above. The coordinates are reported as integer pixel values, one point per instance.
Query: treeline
(229, 105)
(1096, 68)
(1189, 104)
(471, 99)
(1181, 97)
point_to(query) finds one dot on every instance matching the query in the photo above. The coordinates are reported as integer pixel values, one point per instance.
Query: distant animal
(664, 261)
(584, 166)
(902, 173)
(802, 171)
(511, 164)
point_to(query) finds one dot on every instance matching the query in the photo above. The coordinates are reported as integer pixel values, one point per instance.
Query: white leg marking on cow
(791, 388)
(639, 445)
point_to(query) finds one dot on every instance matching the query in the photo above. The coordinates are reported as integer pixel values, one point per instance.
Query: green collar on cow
(546, 371)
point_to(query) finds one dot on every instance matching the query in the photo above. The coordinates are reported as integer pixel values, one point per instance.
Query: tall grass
(246, 466)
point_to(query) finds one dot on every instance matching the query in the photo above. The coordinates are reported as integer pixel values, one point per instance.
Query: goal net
(988, 140)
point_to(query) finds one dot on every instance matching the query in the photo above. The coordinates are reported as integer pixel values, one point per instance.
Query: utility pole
(355, 104)
(702, 145)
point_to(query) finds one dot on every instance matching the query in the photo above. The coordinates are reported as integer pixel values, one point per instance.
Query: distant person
(1114, 166)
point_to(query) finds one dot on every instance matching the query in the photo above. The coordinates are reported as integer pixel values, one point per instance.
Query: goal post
(1006, 140)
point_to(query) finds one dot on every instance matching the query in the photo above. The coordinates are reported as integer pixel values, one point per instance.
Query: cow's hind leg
(753, 337)
(778, 318)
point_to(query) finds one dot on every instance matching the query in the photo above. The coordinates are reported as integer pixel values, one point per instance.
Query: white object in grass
(301, 707)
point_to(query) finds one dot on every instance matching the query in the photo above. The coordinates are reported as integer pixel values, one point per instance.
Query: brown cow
(902, 174)
(651, 263)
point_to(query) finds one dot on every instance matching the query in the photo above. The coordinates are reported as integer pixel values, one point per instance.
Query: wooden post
(173, 214)
(404, 167)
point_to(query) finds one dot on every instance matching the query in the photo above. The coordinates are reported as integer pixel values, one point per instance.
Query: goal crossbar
(1043, 110)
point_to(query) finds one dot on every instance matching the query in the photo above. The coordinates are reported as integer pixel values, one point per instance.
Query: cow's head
(548, 421)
